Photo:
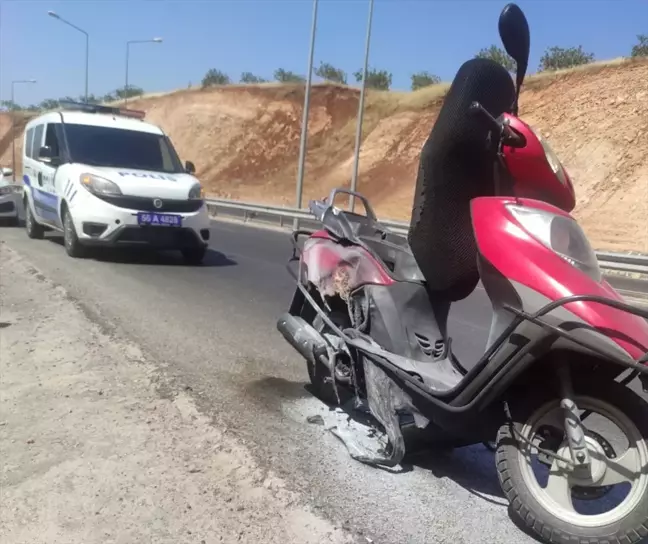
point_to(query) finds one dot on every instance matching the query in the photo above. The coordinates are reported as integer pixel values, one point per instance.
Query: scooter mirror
(514, 32)
(515, 35)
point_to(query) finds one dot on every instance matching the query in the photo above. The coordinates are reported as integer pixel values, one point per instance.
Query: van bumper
(99, 223)
(155, 237)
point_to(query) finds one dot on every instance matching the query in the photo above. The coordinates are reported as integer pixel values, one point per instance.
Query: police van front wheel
(72, 245)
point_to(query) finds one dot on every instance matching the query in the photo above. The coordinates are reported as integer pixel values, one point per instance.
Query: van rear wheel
(72, 245)
(33, 229)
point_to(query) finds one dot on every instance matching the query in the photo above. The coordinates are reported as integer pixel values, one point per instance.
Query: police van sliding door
(46, 200)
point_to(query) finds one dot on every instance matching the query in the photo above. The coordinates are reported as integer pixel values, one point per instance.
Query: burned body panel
(338, 270)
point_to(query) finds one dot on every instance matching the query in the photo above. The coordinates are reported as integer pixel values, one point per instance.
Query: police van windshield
(120, 148)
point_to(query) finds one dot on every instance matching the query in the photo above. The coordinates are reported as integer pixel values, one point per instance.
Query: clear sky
(262, 35)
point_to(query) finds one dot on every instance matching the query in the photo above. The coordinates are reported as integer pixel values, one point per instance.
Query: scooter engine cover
(456, 165)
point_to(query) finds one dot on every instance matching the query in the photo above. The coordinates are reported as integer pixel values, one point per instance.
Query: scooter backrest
(456, 165)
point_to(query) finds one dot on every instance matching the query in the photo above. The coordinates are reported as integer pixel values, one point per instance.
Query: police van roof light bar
(98, 108)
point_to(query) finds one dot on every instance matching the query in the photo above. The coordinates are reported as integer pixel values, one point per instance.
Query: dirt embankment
(245, 142)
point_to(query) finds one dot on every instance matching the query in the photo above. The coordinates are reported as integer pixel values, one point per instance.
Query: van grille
(145, 204)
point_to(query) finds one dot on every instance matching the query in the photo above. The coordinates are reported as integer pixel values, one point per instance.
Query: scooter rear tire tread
(617, 395)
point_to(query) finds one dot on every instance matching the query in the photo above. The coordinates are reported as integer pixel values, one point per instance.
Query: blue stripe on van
(47, 205)
(45, 200)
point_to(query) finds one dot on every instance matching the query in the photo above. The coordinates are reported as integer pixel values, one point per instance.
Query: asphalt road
(211, 330)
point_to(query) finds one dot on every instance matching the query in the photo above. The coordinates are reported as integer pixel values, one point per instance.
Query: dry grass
(386, 102)
(394, 101)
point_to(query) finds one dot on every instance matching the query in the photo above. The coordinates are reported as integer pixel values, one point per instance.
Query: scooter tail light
(562, 235)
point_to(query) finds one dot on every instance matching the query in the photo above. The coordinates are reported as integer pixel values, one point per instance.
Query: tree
(424, 79)
(286, 76)
(127, 92)
(215, 77)
(641, 48)
(109, 97)
(328, 72)
(498, 55)
(558, 58)
(11, 106)
(92, 99)
(49, 104)
(376, 79)
(249, 77)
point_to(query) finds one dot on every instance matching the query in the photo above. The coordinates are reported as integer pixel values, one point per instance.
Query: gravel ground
(96, 448)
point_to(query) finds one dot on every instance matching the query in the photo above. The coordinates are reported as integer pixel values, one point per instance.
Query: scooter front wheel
(560, 507)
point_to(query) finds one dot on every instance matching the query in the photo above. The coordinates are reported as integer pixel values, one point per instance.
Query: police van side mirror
(190, 167)
(45, 154)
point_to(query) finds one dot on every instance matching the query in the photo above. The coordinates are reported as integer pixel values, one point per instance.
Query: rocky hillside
(245, 141)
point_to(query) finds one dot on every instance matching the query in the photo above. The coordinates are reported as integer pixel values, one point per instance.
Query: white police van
(104, 177)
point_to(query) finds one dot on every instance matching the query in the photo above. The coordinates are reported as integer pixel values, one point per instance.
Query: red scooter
(371, 308)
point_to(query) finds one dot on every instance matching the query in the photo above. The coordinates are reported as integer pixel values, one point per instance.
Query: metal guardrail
(248, 211)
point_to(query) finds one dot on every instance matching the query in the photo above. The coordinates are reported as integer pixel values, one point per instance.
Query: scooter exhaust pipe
(300, 335)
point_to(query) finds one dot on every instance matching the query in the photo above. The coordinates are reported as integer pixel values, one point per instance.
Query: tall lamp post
(13, 124)
(56, 16)
(358, 138)
(304, 130)
(154, 40)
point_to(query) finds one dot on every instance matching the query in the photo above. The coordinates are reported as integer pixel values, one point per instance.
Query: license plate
(159, 219)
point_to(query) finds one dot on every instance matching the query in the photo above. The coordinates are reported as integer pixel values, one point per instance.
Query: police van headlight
(196, 192)
(99, 185)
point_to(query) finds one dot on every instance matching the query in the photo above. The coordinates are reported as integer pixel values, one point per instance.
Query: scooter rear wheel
(550, 511)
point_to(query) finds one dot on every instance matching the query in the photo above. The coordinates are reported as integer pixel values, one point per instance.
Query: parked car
(11, 194)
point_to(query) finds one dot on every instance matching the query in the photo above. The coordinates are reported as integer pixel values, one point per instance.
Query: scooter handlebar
(508, 135)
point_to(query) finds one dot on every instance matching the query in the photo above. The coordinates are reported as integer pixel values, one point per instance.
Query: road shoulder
(96, 449)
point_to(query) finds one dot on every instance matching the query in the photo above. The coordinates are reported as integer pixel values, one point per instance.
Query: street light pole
(358, 137)
(154, 40)
(87, 48)
(13, 124)
(304, 131)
